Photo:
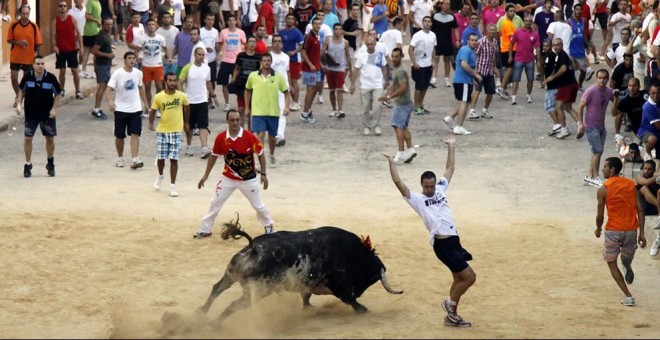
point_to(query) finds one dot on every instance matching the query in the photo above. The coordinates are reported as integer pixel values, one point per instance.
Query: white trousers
(281, 127)
(224, 189)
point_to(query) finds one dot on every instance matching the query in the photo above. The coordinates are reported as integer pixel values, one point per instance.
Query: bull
(322, 261)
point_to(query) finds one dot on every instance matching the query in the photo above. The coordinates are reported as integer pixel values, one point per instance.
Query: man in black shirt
(351, 27)
(563, 79)
(550, 89)
(632, 104)
(621, 74)
(41, 92)
(246, 63)
(102, 51)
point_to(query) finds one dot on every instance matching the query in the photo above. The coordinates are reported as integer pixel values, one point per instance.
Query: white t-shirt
(616, 55)
(139, 5)
(178, 7)
(225, 6)
(152, 49)
(170, 36)
(434, 211)
(423, 46)
(281, 64)
(254, 14)
(210, 39)
(391, 38)
(138, 33)
(616, 38)
(206, 54)
(126, 86)
(421, 9)
(79, 16)
(196, 83)
(380, 47)
(562, 31)
(370, 65)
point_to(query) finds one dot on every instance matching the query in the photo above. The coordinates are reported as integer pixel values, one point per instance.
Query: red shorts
(151, 73)
(335, 79)
(240, 100)
(568, 93)
(295, 68)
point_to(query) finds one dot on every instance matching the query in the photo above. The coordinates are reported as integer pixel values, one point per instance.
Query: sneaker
(424, 110)
(145, 114)
(447, 82)
(195, 132)
(597, 182)
(432, 82)
(269, 229)
(366, 131)
(200, 234)
(628, 301)
(332, 114)
(99, 114)
(136, 163)
(449, 121)
(27, 170)
(450, 309)
(398, 158)
(345, 89)
(205, 153)
(563, 134)
(50, 169)
(628, 274)
(308, 118)
(387, 104)
(656, 226)
(409, 155)
(159, 179)
(189, 151)
(63, 93)
(120, 162)
(459, 130)
(6, 18)
(588, 180)
(173, 192)
(319, 98)
(458, 323)
(486, 114)
(280, 142)
(273, 161)
(293, 107)
(473, 115)
(529, 99)
(378, 131)
(419, 111)
(655, 248)
(513, 100)
(618, 140)
(340, 115)
(555, 130)
(590, 73)
(500, 91)
(79, 95)
(211, 105)
(84, 74)
(228, 107)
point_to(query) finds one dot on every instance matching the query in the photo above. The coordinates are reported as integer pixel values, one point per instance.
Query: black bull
(326, 260)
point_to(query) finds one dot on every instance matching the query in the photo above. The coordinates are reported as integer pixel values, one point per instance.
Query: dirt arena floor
(96, 252)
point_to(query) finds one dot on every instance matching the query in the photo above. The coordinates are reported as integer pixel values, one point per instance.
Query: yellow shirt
(171, 111)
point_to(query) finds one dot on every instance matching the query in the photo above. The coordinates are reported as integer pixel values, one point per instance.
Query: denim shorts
(168, 145)
(311, 78)
(401, 115)
(518, 67)
(596, 138)
(265, 124)
(550, 100)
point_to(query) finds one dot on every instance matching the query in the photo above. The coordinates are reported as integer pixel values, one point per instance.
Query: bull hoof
(361, 309)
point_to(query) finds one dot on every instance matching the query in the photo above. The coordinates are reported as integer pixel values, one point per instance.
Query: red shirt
(66, 34)
(238, 153)
(266, 11)
(312, 47)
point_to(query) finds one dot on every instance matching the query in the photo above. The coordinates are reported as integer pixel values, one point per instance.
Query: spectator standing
(649, 129)
(563, 79)
(134, 34)
(464, 77)
(472, 29)
(102, 51)
(491, 14)
(543, 19)
(337, 48)
(169, 32)
(154, 49)
(231, 40)
(292, 40)
(24, 37)
(311, 69)
(91, 29)
(304, 14)
(421, 49)
(282, 65)
(527, 42)
(67, 38)
(370, 67)
(266, 18)
(507, 25)
(197, 78)
(183, 44)
(445, 28)
(141, 7)
(379, 17)
(487, 52)
(210, 36)
(246, 63)
(419, 10)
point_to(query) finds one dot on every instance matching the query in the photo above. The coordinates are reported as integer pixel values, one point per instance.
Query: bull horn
(386, 285)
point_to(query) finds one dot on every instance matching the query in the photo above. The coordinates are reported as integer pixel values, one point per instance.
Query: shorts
(199, 116)
(151, 73)
(336, 79)
(169, 68)
(88, 40)
(450, 252)
(550, 103)
(487, 84)
(602, 20)
(17, 67)
(401, 115)
(265, 124)
(581, 63)
(367, 18)
(240, 101)
(295, 70)
(168, 145)
(504, 56)
(463, 92)
(128, 123)
(518, 67)
(568, 93)
(620, 242)
(444, 49)
(213, 65)
(311, 78)
(102, 73)
(422, 77)
(225, 72)
(64, 59)
(48, 127)
(596, 138)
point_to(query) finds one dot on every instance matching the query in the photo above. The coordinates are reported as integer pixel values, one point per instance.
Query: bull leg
(356, 305)
(239, 304)
(218, 288)
(305, 297)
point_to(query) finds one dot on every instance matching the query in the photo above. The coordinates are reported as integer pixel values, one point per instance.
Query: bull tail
(234, 230)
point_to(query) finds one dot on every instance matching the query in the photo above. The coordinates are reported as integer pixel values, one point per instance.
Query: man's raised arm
(403, 189)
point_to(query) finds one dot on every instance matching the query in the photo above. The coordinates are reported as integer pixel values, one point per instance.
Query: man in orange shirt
(619, 195)
(506, 26)
(25, 38)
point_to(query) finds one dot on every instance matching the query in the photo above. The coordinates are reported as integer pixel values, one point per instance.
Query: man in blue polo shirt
(649, 130)
(472, 29)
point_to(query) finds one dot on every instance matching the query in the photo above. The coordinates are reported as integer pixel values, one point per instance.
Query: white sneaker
(398, 158)
(513, 100)
(366, 131)
(189, 151)
(628, 301)
(449, 121)
(345, 89)
(500, 91)
(563, 133)
(294, 106)
(227, 108)
(273, 161)
(618, 140)
(173, 192)
(472, 115)
(378, 131)
(459, 130)
(529, 99)
(269, 229)
(433, 81)
(486, 114)
(319, 98)
(120, 162)
(159, 179)
(655, 248)
(447, 82)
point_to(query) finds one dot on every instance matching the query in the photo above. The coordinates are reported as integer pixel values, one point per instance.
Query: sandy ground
(96, 252)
